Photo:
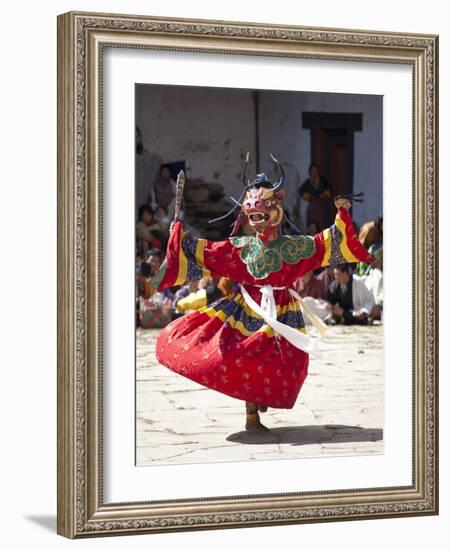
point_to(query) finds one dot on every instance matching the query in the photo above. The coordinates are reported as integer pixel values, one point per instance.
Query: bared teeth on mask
(259, 216)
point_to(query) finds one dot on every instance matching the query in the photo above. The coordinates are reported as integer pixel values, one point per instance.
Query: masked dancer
(251, 344)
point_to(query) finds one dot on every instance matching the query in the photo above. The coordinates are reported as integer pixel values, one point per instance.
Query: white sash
(268, 311)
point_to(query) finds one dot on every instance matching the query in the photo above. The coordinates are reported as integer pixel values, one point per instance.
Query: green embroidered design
(261, 259)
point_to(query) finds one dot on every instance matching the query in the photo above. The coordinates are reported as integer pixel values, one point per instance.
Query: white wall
(28, 244)
(282, 132)
(211, 128)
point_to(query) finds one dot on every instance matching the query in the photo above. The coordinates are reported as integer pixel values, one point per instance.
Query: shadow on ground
(47, 522)
(308, 435)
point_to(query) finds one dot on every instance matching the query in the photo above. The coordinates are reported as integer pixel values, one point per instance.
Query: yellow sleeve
(195, 300)
(340, 243)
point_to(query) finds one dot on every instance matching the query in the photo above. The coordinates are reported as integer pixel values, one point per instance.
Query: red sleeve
(189, 258)
(339, 243)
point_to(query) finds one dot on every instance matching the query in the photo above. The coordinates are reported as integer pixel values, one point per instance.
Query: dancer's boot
(253, 423)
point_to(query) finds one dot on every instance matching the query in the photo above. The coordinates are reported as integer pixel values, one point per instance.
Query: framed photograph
(247, 282)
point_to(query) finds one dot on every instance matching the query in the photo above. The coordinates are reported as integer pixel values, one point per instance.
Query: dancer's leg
(253, 423)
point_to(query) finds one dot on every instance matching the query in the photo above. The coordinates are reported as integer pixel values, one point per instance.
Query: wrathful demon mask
(262, 206)
(259, 202)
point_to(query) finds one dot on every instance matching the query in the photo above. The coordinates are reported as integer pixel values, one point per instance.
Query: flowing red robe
(225, 345)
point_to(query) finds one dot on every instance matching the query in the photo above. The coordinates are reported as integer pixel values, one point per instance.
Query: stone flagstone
(340, 409)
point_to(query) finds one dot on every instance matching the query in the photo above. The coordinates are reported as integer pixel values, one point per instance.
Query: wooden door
(332, 150)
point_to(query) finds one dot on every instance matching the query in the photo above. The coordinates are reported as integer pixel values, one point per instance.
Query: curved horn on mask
(244, 168)
(237, 203)
(280, 182)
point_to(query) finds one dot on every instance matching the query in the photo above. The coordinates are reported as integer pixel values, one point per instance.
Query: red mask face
(263, 210)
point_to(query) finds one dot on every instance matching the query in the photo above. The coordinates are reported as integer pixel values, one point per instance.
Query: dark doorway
(332, 146)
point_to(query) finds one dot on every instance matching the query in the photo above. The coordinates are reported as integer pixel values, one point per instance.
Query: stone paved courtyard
(339, 411)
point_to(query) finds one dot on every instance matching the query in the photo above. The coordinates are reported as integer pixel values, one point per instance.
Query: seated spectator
(138, 261)
(184, 291)
(164, 190)
(371, 232)
(148, 234)
(161, 226)
(143, 287)
(313, 286)
(372, 275)
(154, 260)
(156, 311)
(313, 289)
(162, 220)
(143, 277)
(350, 301)
(326, 274)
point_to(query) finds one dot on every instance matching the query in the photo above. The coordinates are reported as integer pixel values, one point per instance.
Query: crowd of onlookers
(350, 294)
(347, 293)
